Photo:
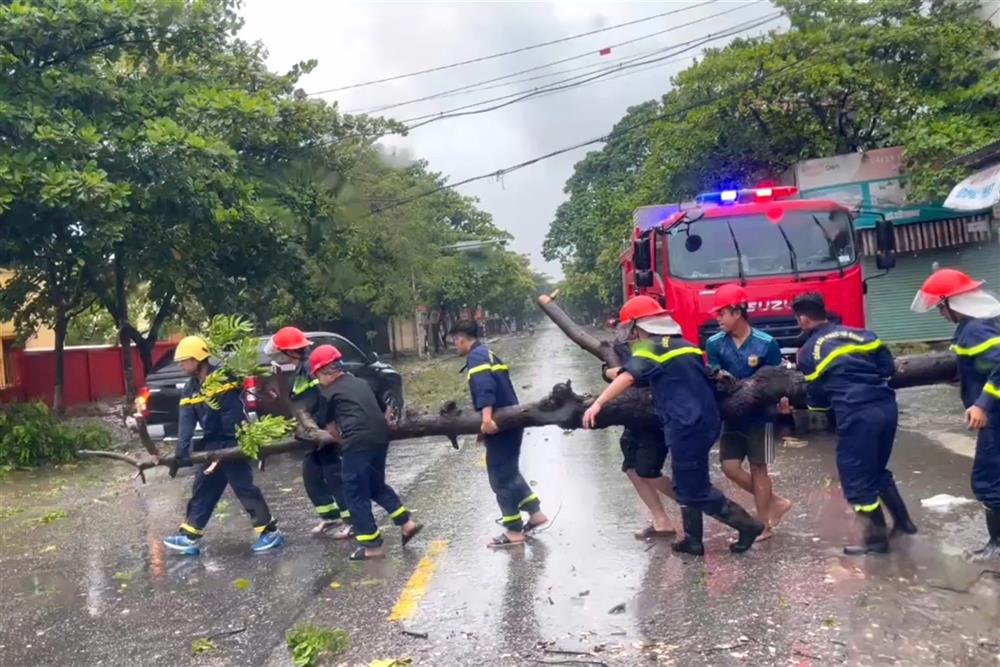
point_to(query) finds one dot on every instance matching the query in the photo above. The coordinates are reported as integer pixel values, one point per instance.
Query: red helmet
(289, 338)
(324, 355)
(728, 296)
(942, 284)
(639, 307)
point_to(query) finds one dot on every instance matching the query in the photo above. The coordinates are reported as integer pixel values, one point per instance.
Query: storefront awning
(935, 234)
(978, 191)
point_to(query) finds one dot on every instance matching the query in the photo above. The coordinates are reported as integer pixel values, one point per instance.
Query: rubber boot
(992, 548)
(876, 534)
(736, 517)
(901, 522)
(691, 544)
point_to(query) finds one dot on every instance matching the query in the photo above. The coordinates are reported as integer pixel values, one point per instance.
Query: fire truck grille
(784, 329)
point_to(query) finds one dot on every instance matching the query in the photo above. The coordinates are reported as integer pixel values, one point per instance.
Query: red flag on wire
(605, 51)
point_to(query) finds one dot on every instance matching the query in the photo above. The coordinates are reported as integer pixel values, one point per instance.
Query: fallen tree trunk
(768, 385)
(564, 408)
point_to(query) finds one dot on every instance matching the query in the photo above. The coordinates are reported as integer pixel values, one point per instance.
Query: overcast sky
(356, 42)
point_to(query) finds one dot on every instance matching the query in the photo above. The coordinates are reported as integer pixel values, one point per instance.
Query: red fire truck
(765, 238)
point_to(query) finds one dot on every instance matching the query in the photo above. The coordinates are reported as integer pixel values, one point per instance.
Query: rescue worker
(219, 432)
(685, 402)
(321, 466)
(962, 300)
(848, 370)
(741, 350)
(644, 451)
(359, 424)
(491, 389)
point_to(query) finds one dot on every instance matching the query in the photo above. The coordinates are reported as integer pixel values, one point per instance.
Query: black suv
(164, 383)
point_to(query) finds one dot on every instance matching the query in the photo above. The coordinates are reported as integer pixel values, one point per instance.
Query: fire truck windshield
(798, 242)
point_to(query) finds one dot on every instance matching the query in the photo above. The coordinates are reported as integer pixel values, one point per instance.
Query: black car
(164, 383)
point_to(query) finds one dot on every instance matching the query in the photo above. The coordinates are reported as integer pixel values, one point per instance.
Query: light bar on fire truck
(747, 195)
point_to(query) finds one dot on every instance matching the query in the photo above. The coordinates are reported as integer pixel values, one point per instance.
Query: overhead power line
(522, 49)
(499, 173)
(581, 79)
(561, 61)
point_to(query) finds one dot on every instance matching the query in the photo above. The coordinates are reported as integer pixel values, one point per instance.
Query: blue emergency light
(748, 195)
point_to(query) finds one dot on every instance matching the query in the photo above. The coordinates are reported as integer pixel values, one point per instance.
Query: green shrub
(30, 435)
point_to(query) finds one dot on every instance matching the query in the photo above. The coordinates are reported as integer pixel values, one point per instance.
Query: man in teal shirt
(741, 350)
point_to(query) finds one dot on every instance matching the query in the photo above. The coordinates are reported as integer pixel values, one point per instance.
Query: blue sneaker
(182, 543)
(268, 541)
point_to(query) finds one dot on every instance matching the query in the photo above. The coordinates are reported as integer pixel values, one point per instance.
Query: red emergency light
(748, 195)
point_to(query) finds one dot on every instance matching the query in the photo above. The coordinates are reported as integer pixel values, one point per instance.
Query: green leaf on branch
(307, 643)
(251, 436)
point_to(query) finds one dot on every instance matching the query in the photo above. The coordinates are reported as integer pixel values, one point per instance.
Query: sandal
(650, 532)
(413, 533)
(361, 554)
(501, 541)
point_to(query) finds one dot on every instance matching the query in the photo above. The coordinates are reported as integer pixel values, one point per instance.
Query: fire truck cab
(775, 245)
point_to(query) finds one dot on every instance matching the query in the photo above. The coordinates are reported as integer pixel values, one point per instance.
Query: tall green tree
(149, 130)
(845, 76)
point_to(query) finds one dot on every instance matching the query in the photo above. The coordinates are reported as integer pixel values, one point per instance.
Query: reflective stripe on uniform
(813, 408)
(867, 508)
(533, 496)
(398, 513)
(200, 398)
(991, 389)
(326, 509)
(345, 514)
(666, 356)
(511, 518)
(975, 349)
(839, 352)
(188, 528)
(371, 537)
(260, 529)
(301, 387)
(491, 367)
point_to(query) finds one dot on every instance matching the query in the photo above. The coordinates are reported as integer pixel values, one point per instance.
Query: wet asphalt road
(97, 588)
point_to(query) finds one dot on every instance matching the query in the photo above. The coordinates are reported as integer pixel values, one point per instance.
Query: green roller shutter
(887, 304)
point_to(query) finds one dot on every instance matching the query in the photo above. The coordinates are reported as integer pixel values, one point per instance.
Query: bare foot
(344, 533)
(766, 535)
(779, 507)
(536, 520)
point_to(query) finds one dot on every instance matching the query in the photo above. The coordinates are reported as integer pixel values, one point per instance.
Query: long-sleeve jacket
(683, 394)
(218, 425)
(304, 393)
(489, 379)
(977, 344)
(845, 368)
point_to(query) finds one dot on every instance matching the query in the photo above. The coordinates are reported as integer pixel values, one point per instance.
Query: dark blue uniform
(321, 473)
(219, 432)
(848, 370)
(751, 437)
(360, 417)
(643, 449)
(684, 400)
(977, 344)
(490, 385)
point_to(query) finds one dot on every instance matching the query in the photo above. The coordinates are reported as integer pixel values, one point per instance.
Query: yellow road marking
(413, 591)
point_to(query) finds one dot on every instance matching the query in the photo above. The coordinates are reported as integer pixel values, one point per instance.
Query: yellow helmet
(191, 347)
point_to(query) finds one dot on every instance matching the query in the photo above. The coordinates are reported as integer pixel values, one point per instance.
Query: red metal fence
(92, 373)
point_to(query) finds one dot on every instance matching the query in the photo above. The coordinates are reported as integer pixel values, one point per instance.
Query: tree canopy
(146, 149)
(845, 76)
